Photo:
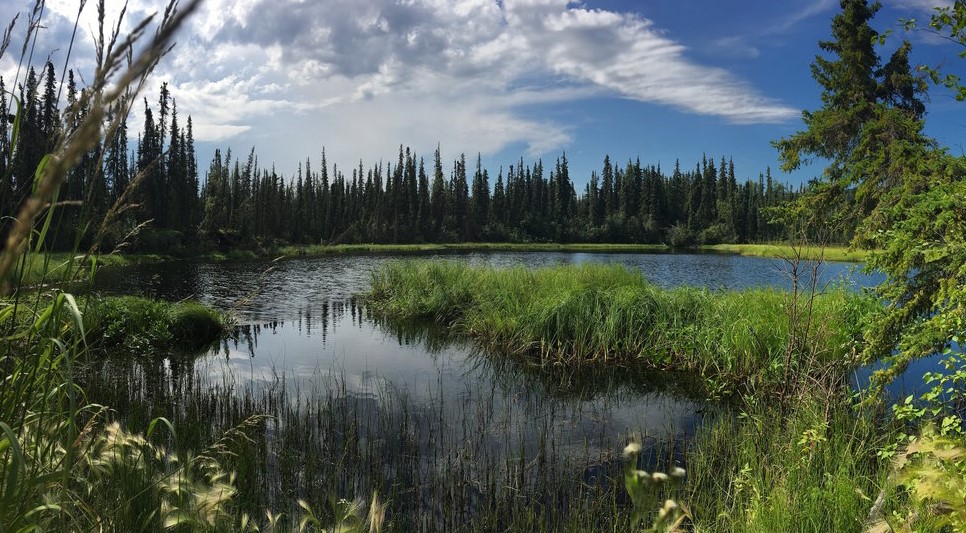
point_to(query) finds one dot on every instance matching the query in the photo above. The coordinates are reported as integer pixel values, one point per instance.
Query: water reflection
(299, 321)
(359, 404)
(262, 291)
(342, 342)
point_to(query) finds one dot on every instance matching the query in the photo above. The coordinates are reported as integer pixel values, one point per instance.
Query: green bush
(140, 325)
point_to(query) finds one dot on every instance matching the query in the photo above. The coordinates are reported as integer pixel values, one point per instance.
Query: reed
(781, 251)
(814, 468)
(600, 315)
(437, 466)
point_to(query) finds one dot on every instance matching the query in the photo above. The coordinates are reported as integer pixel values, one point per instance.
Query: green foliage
(869, 127)
(646, 489)
(923, 256)
(608, 315)
(885, 177)
(932, 471)
(948, 22)
(807, 467)
(142, 325)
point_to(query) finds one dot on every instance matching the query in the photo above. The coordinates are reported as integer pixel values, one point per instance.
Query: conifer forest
(233, 200)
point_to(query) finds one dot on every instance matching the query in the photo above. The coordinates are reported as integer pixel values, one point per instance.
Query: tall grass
(498, 460)
(60, 467)
(815, 252)
(603, 315)
(815, 469)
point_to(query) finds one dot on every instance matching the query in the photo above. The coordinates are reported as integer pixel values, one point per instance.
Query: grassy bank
(807, 462)
(778, 251)
(608, 315)
(787, 251)
(58, 267)
(141, 325)
(322, 249)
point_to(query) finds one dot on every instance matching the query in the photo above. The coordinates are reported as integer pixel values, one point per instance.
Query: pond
(445, 432)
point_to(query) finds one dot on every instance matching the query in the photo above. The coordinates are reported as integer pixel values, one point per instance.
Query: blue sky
(655, 79)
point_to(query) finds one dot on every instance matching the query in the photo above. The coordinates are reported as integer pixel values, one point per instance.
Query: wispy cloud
(810, 10)
(927, 6)
(465, 72)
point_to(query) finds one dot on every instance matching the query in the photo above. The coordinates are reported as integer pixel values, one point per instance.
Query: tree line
(115, 190)
(411, 200)
(111, 191)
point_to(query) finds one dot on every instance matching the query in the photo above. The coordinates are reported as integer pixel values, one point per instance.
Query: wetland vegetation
(491, 386)
(599, 315)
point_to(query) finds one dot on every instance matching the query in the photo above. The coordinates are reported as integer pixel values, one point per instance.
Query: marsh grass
(140, 325)
(463, 464)
(781, 251)
(817, 469)
(600, 315)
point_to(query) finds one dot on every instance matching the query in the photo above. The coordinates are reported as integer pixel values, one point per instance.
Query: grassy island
(609, 315)
(135, 324)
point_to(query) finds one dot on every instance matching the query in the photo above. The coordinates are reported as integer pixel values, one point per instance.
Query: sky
(659, 80)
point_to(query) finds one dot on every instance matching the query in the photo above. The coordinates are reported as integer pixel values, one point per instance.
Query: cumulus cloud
(461, 72)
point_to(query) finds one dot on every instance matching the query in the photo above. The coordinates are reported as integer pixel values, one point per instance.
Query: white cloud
(467, 73)
(811, 9)
(737, 46)
(927, 6)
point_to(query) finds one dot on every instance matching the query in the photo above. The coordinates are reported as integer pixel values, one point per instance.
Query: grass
(56, 267)
(141, 325)
(600, 315)
(830, 253)
(324, 249)
(781, 251)
(811, 467)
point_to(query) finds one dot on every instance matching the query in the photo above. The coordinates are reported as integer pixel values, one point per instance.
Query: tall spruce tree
(888, 180)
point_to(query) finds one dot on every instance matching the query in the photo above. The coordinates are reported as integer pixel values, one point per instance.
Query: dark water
(299, 318)
(292, 289)
(299, 322)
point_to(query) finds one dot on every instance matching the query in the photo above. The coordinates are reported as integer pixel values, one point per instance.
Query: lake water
(301, 324)
(300, 318)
